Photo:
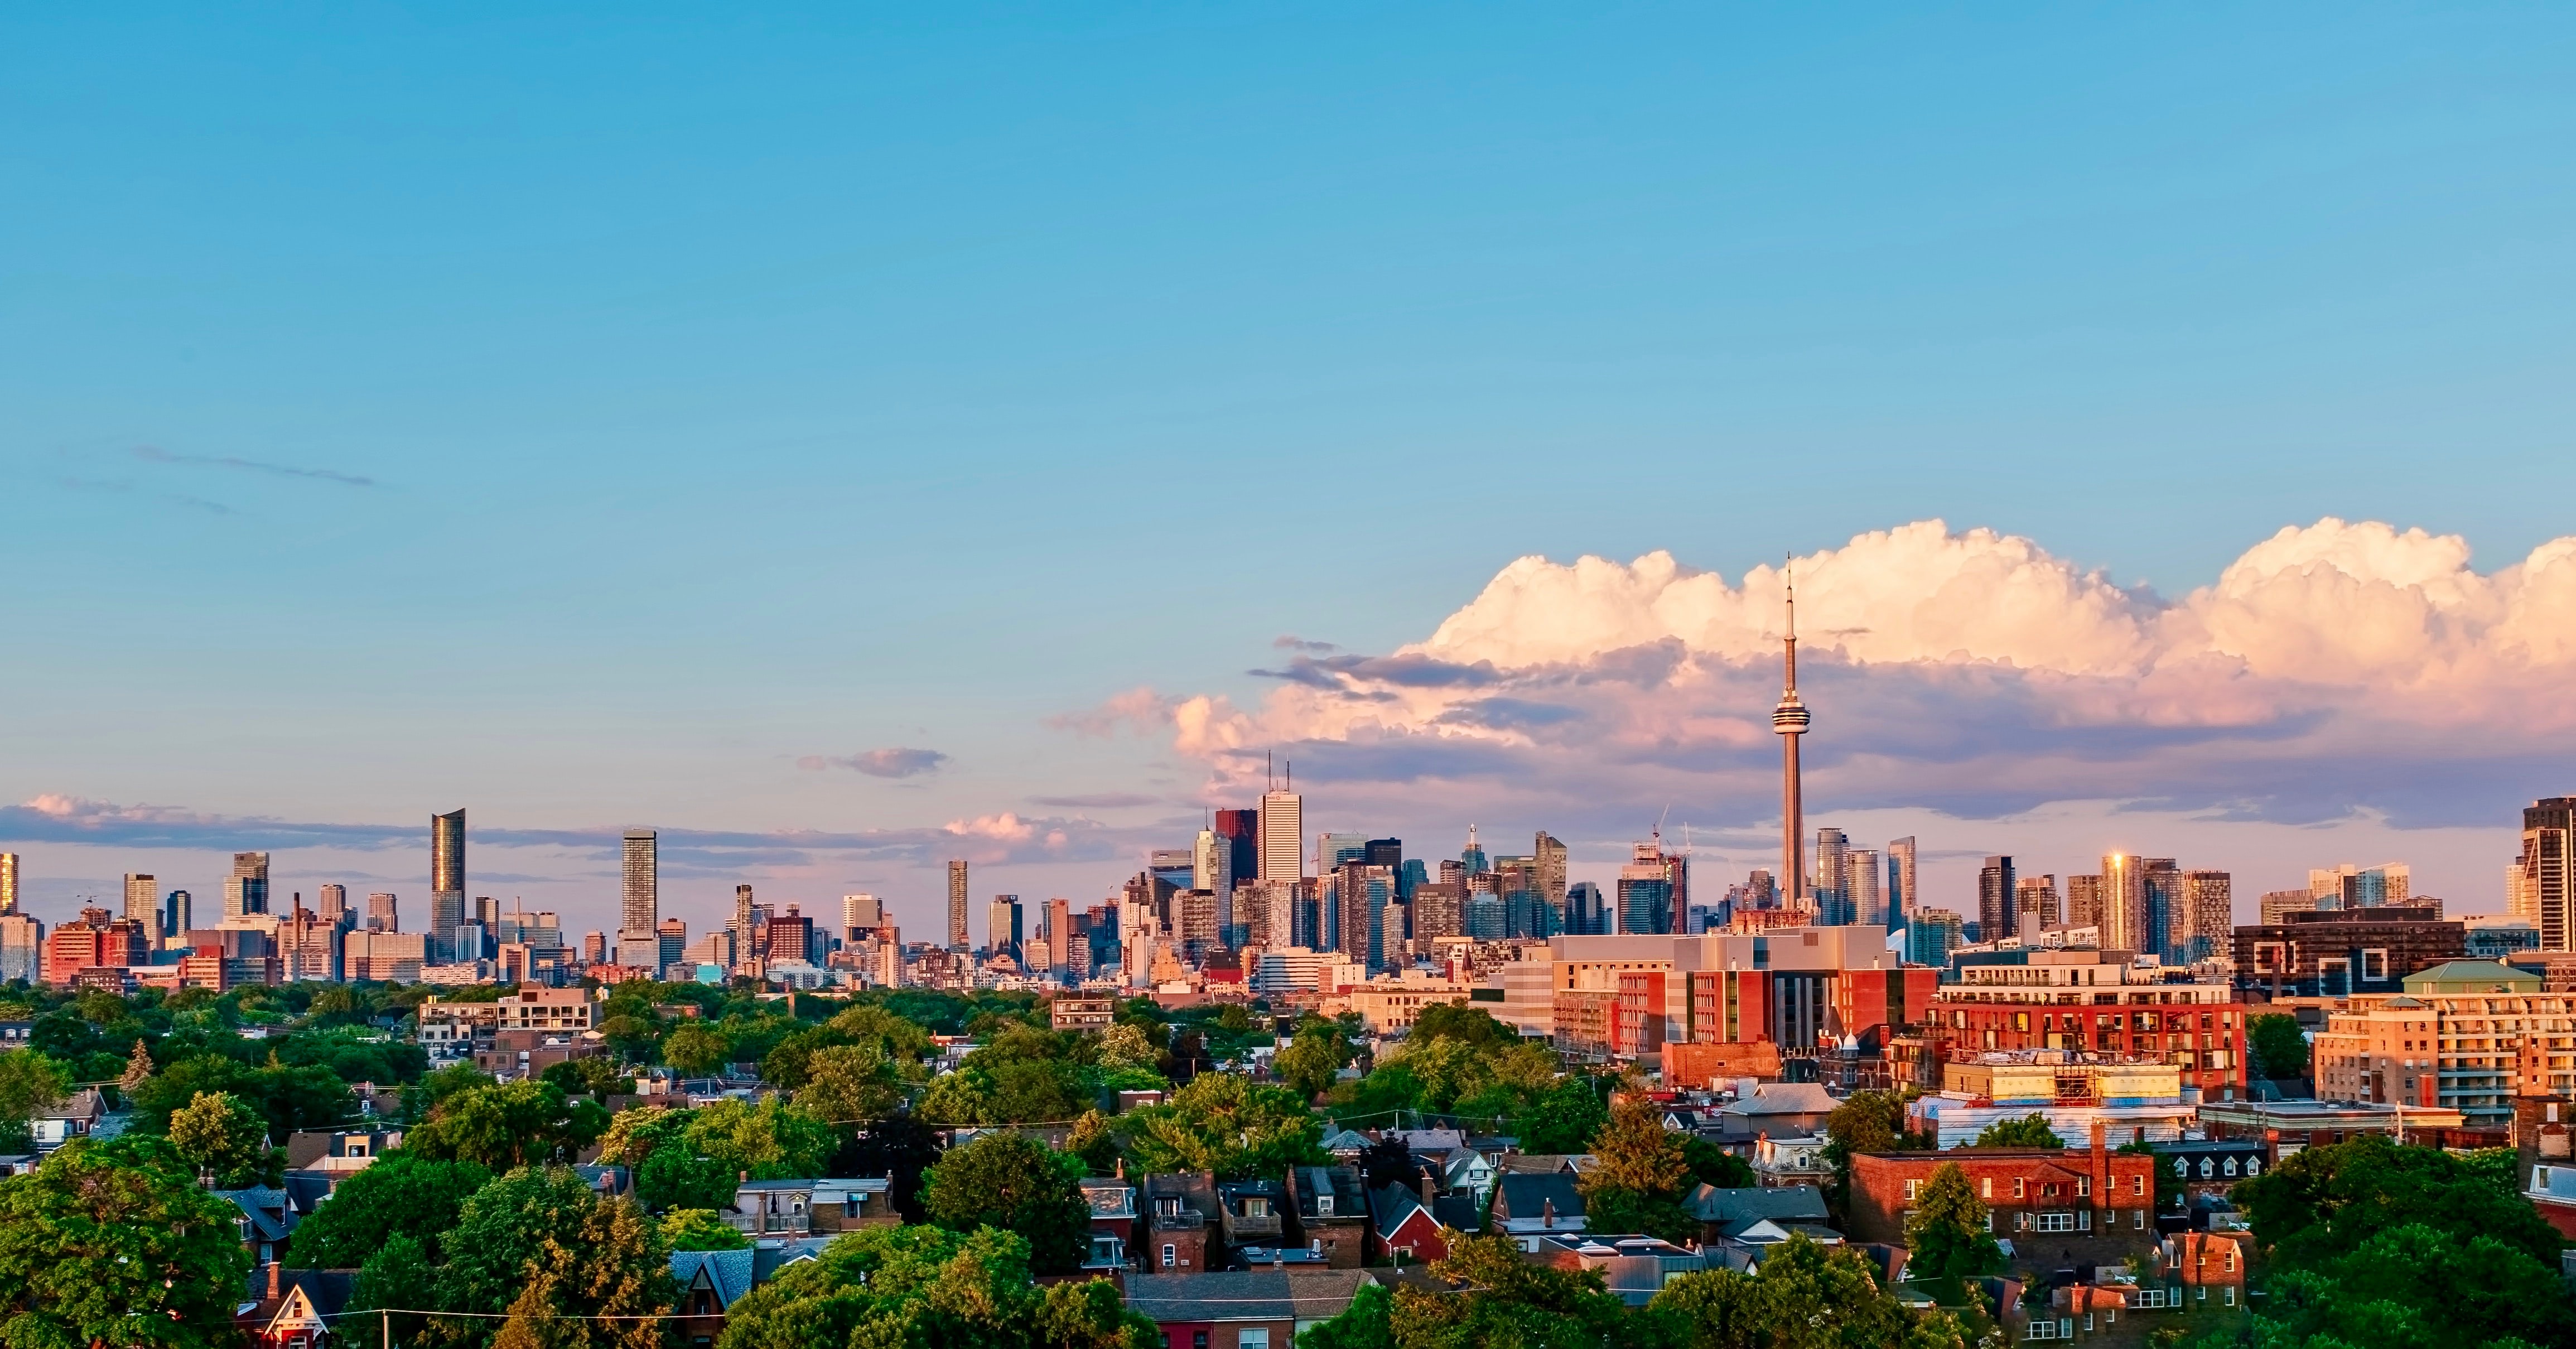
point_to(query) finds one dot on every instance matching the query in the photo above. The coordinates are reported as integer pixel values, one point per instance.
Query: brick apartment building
(2333, 953)
(2070, 1205)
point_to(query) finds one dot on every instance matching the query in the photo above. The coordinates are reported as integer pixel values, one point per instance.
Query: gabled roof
(1391, 1206)
(1734, 1209)
(267, 1211)
(727, 1273)
(1525, 1196)
(1542, 1163)
(1348, 1140)
(1784, 1098)
(1247, 1295)
(315, 1294)
(82, 1104)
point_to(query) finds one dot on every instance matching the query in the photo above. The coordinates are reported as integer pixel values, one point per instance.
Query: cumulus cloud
(2332, 667)
(879, 763)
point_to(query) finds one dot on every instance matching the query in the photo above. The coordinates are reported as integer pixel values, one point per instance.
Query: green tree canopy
(2279, 1046)
(289, 1097)
(221, 1136)
(28, 1081)
(1639, 1176)
(1227, 1124)
(695, 1157)
(1948, 1231)
(2029, 1131)
(1805, 1296)
(2321, 1204)
(1714, 1165)
(540, 1245)
(113, 1243)
(1013, 1182)
(1309, 1063)
(2415, 1287)
(401, 1194)
(695, 1049)
(1512, 1302)
(508, 1125)
(891, 1286)
(850, 1083)
(698, 1229)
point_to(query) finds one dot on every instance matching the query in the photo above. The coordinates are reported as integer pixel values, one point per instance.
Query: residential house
(1113, 1220)
(710, 1282)
(1790, 1159)
(75, 1116)
(1250, 1309)
(295, 1308)
(16, 1035)
(1633, 1267)
(1466, 1170)
(797, 1207)
(1402, 1227)
(1782, 1108)
(268, 1216)
(1179, 1210)
(1729, 1214)
(1251, 1213)
(1527, 1207)
(1544, 1163)
(1346, 1145)
(2210, 1165)
(338, 1149)
(2193, 1264)
(1329, 1213)
(2089, 1207)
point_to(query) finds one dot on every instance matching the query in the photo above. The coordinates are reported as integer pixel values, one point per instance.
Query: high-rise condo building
(639, 911)
(246, 890)
(1587, 914)
(1473, 857)
(384, 913)
(1832, 887)
(2124, 904)
(1931, 936)
(2034, 905)
(446, 882)
(1212, 863)
(1283, 836)
(1002, 926)
(1995, 899)
(1365, 892)
(1645, 892)
(674, 934)
(2084, 901)
(2209, 906)
(860, 914)
(334, 900)
(1901, 895)
(2168, 918)
(2347, 886)
(1066, 934)
(178, 914)
(8, 883)
(2548, 866)
(1550, 856)
(1865, 902)
(143, 904)
(1332, 850)
(958, 938)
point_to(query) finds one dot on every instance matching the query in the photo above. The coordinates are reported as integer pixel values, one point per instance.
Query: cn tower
(1789, 720)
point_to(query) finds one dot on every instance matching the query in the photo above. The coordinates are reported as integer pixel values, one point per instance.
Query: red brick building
(98, 938)
(2086, 1206)
(2205, 1040)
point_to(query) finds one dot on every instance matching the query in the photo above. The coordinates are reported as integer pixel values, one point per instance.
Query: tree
(2279, 1046)
(1564, 1117)
(1123, 1045)
(1635, 1184)
(890, 1286)
(849, 1084)
(1508, 1301)
(692, 1158)
(399, 1195)
(1227, 1124)
(1805, 1296)
(1866, 1121)
(2324, 1203)
(592, 1076)
(695, 1049)
(224, 1139)
(1311, 1060)
(1472, 1026)
(1713, 1165)
(138, 1068)
(698, 1229)
(1948, 1230)
(1367, 1323)
(1013, 1182)
(510, 1125)
(113, 1243)
(2029, 1131)
(900, 1146)
(29, 1081)
(540, 1245)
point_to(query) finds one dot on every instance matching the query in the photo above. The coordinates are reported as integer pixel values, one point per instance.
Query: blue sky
(582, 416)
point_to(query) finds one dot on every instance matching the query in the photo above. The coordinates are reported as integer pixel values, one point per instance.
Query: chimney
(1122, 1168)
(1426, 1192)
(274, 1279)
(2101, 1166)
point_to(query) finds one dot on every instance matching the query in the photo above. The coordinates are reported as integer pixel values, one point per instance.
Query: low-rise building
(1329, 1213)
(1250, 1309)
(1632, 1267)
(2072, 1090)
(1080, 1012)
(2466, 1036)
(794, 1208)
(1180, 1210)
(2073, 1205)
(2333, 953)
(2283, 1128)
(1529, 1205)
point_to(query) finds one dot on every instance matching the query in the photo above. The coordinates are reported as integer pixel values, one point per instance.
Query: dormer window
(1323, 1206)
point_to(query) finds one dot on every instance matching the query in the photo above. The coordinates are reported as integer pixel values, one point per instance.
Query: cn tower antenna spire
(1789, 722)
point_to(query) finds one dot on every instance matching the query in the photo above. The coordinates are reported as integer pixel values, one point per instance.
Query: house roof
(1247, 1295)
(728, 1273)
(323, 1291)
(1348, 1140)
(1539, 1163)
(82, 1104)
(270, 1215)
(1525, 1196)
(1736, 1208)
(1784, 1098)
(1461, 1211)
(770, 1255)
(1391, 1206)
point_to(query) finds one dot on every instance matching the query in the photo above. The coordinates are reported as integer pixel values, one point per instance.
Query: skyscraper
(8, 883)
(1332, 850)
(178, 913)
(2084, 901)
(143, 904)
(2209, 902)
(639, 912)
(2124, 904)
(1365, 891)
(446, 881)
(1645, 892)
(1831, 900)
(1283, 836)
(1789, 722)
(1995, 899)
(1002, 926)
(1241, 830)
(1900, 881)
(1550, 856)
(958, 939)
(1586, 913)
(246, 890)
(2034, 905)
(2548, 865)
(1473, 857)
(1863, 900)
(383, 913)
(335, 905)
(2168, 921)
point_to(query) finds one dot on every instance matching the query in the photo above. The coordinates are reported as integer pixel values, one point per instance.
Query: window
(2020, 1188)
(2083, 1186)
(2021, 1222)
(2061, 1221)
(2230, 1292)
(2253, 1166)
(1252, 1337)
(2137, 1217)
(2137, 1184)
(1913, 1190)
(2230, 1168)
(2182, 1167)
(1989, 1184)
(1171, 1256)
(1198, 1339)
